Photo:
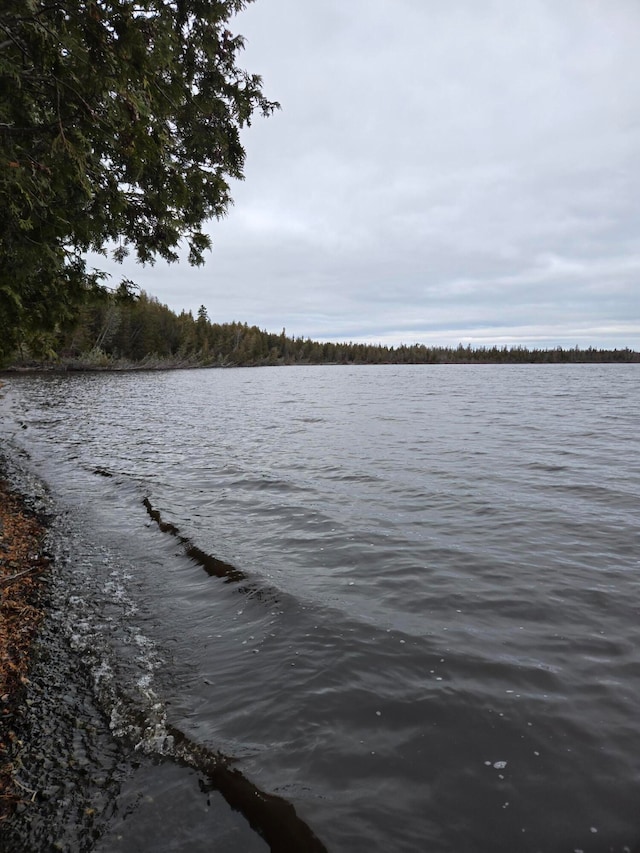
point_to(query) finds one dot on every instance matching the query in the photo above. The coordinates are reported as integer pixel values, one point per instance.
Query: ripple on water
(446, 656)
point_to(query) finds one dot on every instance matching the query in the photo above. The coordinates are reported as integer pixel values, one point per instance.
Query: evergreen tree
(119, 124)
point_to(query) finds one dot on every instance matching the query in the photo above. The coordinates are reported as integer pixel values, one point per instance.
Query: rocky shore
(22, 568)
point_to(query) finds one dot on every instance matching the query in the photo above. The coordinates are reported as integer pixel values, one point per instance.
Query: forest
(127, 330)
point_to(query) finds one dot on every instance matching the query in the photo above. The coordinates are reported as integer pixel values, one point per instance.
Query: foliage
(119, 331)
(119, 124)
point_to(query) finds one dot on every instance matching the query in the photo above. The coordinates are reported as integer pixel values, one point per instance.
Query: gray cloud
(439, 173)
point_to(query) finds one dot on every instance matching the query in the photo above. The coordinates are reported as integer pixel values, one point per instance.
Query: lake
(403, 600)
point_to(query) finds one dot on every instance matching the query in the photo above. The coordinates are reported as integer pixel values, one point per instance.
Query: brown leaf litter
(21, 568)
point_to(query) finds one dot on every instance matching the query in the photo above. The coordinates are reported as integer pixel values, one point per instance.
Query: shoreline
(23, 564)
(65, 370)
(45, 700)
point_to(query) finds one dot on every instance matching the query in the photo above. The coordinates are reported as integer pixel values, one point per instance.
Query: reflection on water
(418, 620)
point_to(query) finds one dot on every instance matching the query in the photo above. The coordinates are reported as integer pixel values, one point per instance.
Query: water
(404, 601)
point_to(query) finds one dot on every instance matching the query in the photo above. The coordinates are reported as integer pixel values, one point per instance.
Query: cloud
(437, 169)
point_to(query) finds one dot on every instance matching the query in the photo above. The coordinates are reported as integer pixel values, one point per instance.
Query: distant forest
(123, 330)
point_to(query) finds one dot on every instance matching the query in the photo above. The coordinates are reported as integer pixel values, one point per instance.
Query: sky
(441, 172)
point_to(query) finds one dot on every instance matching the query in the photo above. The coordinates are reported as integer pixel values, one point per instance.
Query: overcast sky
(442, 171)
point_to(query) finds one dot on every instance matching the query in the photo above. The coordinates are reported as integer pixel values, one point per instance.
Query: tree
(119, 125)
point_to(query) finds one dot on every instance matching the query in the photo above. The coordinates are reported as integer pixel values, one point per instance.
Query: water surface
(403, 599)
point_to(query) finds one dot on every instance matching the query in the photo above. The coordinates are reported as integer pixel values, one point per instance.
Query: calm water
(406, 600)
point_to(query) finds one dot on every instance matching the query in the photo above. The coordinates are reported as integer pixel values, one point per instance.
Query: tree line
(125, 330)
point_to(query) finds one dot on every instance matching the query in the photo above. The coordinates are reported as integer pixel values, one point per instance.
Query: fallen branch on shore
(12, 578)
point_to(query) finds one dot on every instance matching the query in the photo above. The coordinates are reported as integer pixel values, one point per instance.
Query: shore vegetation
(126, 330)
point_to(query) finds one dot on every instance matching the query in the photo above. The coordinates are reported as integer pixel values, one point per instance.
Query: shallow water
(404, 600)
